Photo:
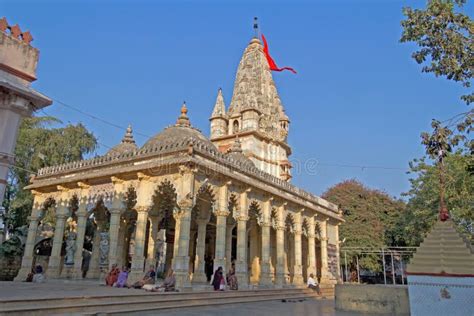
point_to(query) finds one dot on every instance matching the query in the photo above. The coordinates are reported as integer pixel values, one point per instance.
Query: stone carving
(104, 248)
(70, 248)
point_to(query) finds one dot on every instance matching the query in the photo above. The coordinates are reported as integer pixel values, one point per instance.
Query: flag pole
(255, 27)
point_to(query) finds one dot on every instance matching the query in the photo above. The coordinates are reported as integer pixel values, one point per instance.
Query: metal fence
(388, 264)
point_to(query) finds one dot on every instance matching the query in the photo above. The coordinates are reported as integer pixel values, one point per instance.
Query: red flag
(271, 62)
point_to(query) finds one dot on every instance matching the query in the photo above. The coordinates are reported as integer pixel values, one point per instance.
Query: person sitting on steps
(312, 284)
(148, 278)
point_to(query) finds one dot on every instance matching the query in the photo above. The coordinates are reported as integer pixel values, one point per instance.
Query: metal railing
(391, 260)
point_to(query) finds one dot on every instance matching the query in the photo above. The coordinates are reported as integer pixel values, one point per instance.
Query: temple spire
(219, 107)
(183, 119)
(128, 137)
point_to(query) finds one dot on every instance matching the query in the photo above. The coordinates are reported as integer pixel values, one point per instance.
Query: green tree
(38, 146)
(371, 218)
(424, 195)
(445, 37)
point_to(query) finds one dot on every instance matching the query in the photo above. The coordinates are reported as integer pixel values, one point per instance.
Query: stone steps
(146, 302)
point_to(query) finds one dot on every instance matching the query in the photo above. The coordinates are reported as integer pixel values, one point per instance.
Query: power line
(104, 121)
(361, 166)
(122, 128)
(99, 143)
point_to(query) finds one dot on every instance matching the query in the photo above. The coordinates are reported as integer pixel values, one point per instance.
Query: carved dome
(181, 131)
(127, 144)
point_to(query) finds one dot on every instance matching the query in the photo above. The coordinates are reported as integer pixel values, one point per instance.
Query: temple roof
(236, 153)
(443, 252)
(181, 131)
(126, 145)
(254, 88)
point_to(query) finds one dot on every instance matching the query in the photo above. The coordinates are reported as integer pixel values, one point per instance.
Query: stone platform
(59, 297)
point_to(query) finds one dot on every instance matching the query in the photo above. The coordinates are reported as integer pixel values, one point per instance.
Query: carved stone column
(199, 264)
(151, 251)
(81, 231)
(338, 255)
(177, 227)
(181, 262)
(27, 260)
(311, 247)
(325, 277)
(280, 270)
(54, 265)
(298, 267)
(114, 235)
(266, 274)
(138, 259)
(94, 262)
(241, 264)
(115, 214)
(228, 245)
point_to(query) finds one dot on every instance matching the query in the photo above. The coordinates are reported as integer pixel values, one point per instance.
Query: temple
(189, 202)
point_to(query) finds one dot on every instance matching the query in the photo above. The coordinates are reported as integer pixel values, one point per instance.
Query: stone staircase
(149, 302)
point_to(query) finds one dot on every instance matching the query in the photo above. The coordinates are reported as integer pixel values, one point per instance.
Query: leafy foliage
(15, 244)
(40, 146)
(446, 40)
(371, 217)
(423, 203)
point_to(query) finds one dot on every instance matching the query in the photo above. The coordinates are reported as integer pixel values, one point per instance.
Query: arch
(205, 203)
(255, 211)
(235, 126)
(290, 223)
(164, 201)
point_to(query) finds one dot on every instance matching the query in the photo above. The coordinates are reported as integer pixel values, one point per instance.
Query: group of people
(219, 283)
(118, 278)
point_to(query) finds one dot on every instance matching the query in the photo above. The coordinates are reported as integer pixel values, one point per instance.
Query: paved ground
(64, 288)
(308, 307)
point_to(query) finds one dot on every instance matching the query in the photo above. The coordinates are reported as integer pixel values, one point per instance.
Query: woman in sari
(218, 280)
(122, 278)
(112, 276)
(168, 284)
(232, 279)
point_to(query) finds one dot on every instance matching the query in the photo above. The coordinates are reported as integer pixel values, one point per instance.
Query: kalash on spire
(256, 114)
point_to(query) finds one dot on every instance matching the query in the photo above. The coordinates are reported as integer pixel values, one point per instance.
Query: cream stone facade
(190, 203)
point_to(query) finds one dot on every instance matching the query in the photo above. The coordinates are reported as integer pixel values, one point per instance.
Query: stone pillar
(81, 231)
(27, 260)
(199, 264)
(241, 264)
(280, 277)
(115, 216)
(177, 227)
(221, 224)
(266, 274)
(228, 245)
(311, 247)
(151, 251)
(114, 235)
(181, 262)
(94, 269)
(298, 266)
(54, 265)
(325, 277)
(220, 260)
(138, 259)
(338, 255)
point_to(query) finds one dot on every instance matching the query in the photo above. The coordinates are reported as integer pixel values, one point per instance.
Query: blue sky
(358, 98)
